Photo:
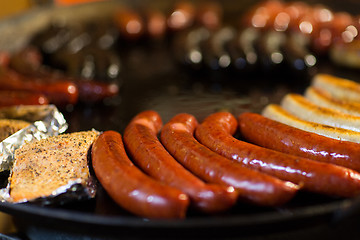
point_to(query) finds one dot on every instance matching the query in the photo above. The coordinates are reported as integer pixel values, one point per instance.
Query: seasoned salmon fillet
(11, 126)
(42, 166)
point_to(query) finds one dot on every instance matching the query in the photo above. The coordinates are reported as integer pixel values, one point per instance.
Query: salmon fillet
(41, 167)
(11, 126)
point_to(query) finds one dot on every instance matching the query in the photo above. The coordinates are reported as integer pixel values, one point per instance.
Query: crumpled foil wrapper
(46, 121)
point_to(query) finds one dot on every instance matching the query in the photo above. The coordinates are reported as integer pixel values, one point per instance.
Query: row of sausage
(90, 64)
(272, 35)
(25, 80)
(204, 167)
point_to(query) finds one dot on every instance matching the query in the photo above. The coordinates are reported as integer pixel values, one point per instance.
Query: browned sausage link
(12, 98)
(284, 138)
(142, 144)
(216, 132)
(131, 188)
(253, 186)
(60, 92)
(29, 63)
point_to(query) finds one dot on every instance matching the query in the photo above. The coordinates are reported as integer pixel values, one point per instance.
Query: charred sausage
(131, 188)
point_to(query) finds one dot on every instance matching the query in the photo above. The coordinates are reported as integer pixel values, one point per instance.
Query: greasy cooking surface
(170, 92)
(167, 88)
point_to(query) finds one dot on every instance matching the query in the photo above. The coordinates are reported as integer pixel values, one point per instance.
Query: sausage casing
(178, 138)
(59, 93)
(216, 132)
(284, 138)
(12, 98)
(145, 149)
(131, 188)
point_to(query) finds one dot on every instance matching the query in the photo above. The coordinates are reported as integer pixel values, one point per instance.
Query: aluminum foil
(45, 121)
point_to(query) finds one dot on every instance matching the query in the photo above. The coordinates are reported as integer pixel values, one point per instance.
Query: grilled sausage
(12, 98)
(324, 99)
(253, 186)
(302, 108)
(277, 113)
(59, 93)
(28, 62)
(142, 144)
(281, 137)
(216, 132)
(339, 88)
(131, 188)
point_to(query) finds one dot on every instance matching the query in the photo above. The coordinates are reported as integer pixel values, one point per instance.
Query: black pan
(170, 92)
(243, 221)
(168, 88)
